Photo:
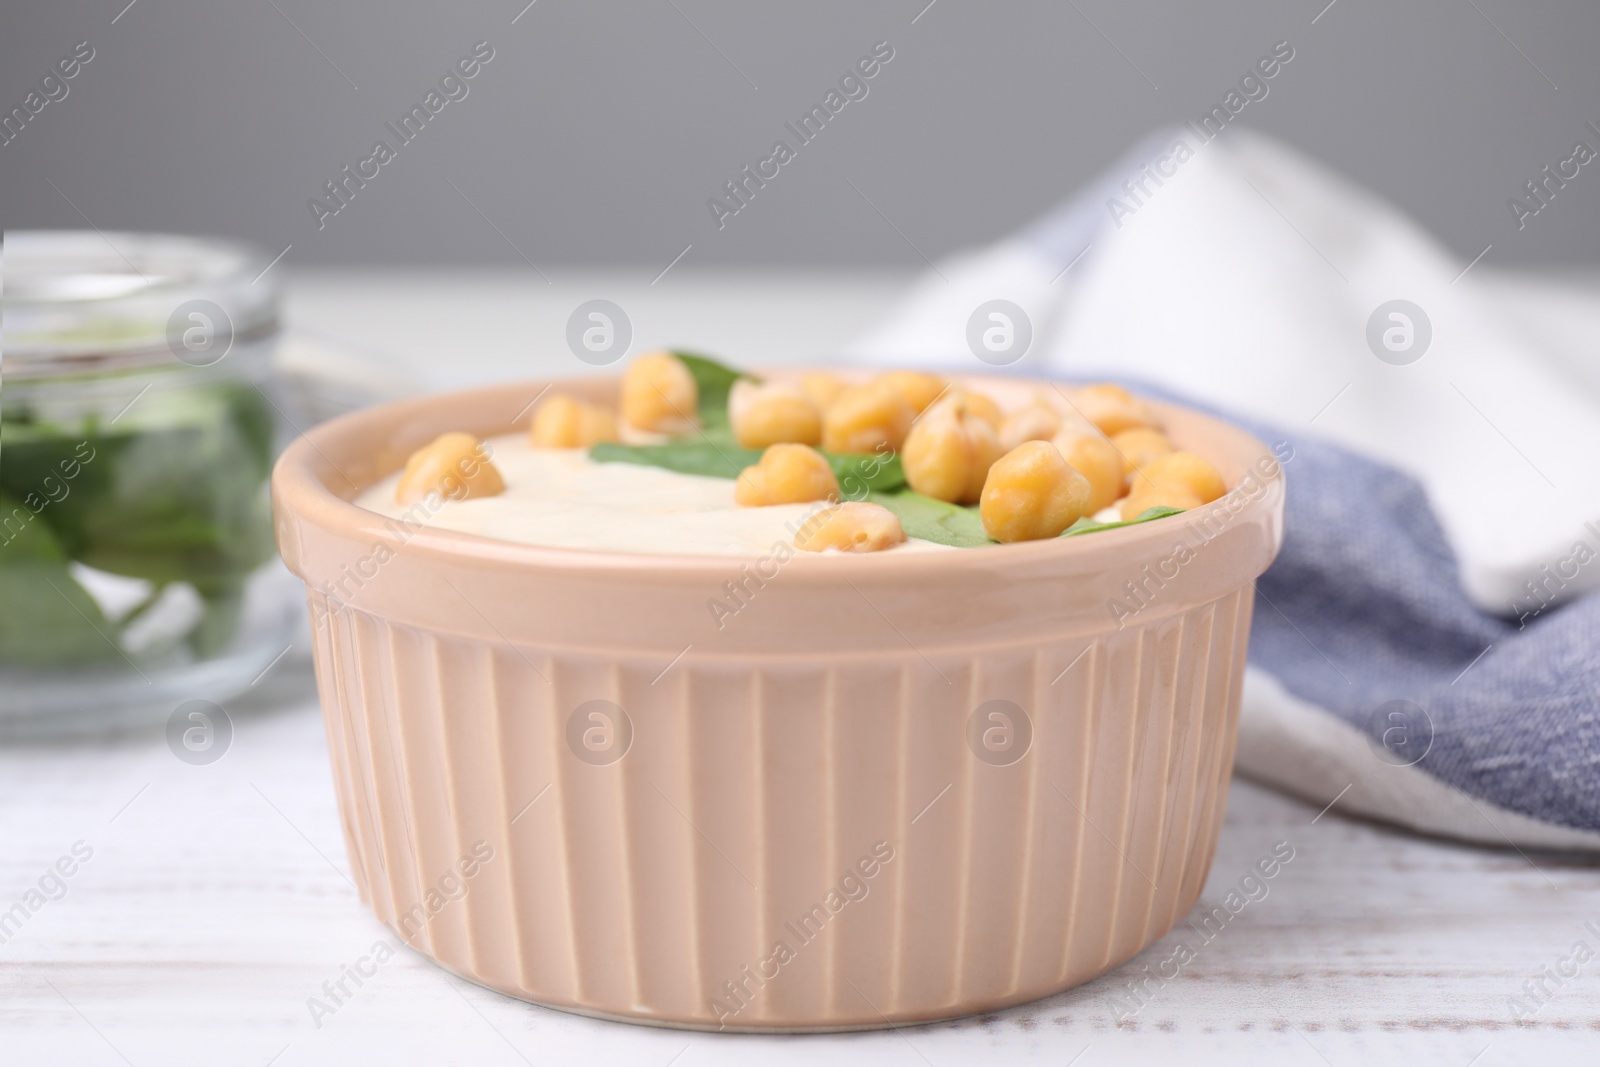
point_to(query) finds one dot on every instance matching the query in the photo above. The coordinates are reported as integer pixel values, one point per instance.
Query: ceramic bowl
(885, 789)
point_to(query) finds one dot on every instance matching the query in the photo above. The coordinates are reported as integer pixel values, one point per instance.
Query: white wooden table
(217, 899)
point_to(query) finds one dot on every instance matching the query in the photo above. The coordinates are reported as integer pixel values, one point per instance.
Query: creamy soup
(559, 498)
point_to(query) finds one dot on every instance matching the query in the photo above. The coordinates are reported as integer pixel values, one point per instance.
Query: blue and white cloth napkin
(1427, 647)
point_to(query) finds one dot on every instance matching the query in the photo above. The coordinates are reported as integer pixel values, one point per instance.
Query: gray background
(599, 129)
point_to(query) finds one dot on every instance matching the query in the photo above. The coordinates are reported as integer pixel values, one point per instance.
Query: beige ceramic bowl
(890, 788)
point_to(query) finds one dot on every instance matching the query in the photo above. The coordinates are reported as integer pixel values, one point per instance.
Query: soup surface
(559, 498)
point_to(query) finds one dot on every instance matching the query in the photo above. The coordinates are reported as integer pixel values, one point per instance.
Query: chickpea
(1036, 422)
(866, 418)
(1156, 495)
(787, 474)
(772, 413)
(853, 526)
(1032, 493)
(949, 451)
(454, 465)
(659, 394)
(1183, 469)
(1112, 408)
(823, 388)
(918, 389)
(1098, 460)
(983, 406)
(565, 422)
(1140, 445)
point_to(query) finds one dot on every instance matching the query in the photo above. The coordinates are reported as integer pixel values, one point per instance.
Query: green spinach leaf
(175, 491)
(46, 617)
(867, 472)
(857, 474)
(705, 458)
(928, 519)
(714, 381)
(1088, 525)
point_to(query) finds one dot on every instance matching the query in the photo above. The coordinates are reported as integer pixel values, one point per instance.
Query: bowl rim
(300, 491)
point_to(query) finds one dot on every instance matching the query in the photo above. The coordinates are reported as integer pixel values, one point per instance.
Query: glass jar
(138, 425)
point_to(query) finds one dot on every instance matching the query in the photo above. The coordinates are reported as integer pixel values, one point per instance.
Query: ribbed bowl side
(660, 887)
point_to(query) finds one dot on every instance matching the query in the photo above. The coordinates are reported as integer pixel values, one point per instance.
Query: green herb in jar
(172, 491)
